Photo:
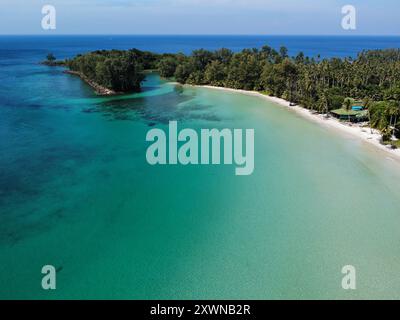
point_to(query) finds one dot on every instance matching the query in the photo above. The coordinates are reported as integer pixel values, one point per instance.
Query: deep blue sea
(35, 47)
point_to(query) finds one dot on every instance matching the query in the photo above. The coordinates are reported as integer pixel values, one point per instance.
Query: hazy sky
(200, 16)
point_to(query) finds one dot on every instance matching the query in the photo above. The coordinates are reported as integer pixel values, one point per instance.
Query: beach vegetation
(120, 71)
(167, 67)
(321, 85)
(51, 58)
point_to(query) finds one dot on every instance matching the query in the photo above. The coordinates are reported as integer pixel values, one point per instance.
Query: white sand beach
(366, 134)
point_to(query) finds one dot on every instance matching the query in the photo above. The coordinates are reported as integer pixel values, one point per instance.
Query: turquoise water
(77, 193)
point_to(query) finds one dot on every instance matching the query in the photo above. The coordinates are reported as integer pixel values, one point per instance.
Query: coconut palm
(367, 105)
(347, 104)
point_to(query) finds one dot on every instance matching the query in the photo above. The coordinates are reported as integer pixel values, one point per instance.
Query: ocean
(77, 193)
(68, 46)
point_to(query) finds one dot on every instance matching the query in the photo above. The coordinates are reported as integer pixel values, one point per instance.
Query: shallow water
(76, 192)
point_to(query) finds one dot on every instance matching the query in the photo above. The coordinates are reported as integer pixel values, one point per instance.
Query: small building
(350, 115)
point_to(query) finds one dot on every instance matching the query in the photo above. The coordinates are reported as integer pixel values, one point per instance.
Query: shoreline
(99, 90)
(362, 133)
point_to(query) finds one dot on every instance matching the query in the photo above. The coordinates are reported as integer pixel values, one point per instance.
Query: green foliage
(244, 72)
(201, 58)
(223, 55)
(335, 101)
(215, 74)
(283, 51)
(184, 70)
(121, 71)
(378, 111)
(195, 78)
(347, 103)
(167, 67)
(51, 57)
(321, 85)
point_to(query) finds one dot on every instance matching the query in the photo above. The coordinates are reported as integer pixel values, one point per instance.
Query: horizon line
(202, 35)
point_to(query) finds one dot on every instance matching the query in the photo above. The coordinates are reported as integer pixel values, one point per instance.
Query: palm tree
(396, 119)
(367, 105)
(394, 112)
(51, 57)
(324, 103)
(347, 104)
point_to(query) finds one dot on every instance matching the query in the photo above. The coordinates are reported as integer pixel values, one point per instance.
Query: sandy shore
(371, 136)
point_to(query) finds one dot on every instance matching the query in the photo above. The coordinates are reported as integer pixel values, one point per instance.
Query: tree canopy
(317, 84)
(121, 71)
(320, 85)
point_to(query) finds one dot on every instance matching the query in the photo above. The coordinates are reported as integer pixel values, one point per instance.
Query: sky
(252, 17)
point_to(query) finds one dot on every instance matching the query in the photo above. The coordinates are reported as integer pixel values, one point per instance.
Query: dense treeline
(120, 71)
(317, 84)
